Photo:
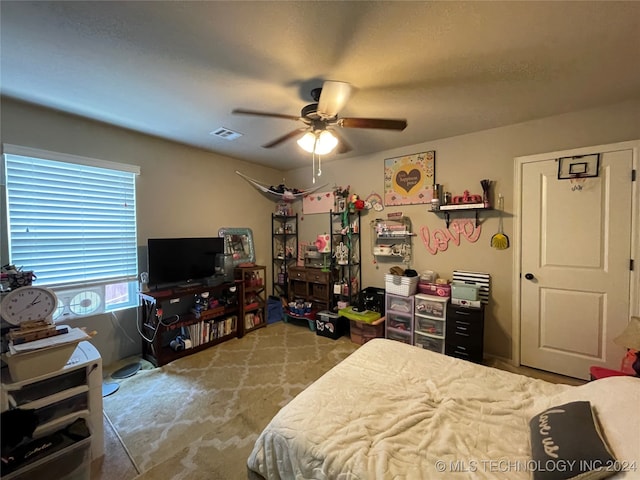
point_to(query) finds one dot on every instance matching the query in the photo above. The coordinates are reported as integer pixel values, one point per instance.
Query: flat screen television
(182, 260)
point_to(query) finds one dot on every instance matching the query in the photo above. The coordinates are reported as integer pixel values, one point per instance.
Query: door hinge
(631, 264)
(633, 175)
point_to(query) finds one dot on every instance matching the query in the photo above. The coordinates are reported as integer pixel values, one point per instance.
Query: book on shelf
(461, 206)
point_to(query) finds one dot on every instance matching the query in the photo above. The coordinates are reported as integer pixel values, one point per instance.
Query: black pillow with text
(566, 444)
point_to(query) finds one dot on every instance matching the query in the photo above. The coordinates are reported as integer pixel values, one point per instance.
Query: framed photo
(410, 179)
(581, 166)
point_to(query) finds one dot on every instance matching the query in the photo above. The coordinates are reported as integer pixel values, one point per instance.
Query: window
(72, 221)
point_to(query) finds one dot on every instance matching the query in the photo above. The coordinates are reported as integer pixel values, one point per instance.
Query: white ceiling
(177, 69)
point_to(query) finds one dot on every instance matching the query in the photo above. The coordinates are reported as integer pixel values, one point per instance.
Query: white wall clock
(29, 304)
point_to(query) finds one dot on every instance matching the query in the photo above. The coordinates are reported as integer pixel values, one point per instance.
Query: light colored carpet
(198, 417)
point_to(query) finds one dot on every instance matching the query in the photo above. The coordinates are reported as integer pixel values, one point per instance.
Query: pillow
(566, 444)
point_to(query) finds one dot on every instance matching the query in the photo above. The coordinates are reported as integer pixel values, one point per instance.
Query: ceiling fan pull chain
(313, 167)
(319, 165)
(313, 157)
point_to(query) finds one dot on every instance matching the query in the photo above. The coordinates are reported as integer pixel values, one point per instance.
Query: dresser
(311, 285)
(464, 332)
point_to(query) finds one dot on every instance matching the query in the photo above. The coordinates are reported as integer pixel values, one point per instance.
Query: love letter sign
(410, 179)
(439, 239)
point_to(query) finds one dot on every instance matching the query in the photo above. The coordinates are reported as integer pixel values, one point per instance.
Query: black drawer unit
(465, 332)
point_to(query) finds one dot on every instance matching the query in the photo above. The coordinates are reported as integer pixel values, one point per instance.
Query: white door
(575, 265)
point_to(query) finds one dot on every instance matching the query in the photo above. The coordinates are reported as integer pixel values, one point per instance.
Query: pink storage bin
(435, 289)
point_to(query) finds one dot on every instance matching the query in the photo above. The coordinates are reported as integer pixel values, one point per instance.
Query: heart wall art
(410, 179)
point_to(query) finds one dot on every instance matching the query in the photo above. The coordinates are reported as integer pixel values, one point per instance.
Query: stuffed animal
(356, 203)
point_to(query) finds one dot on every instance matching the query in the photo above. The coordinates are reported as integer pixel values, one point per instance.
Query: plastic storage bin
(371, 299)
(396, 321)
(404, 337)
(49, 386)
(465, 291)
(400, 304)
(436, 289)
(429, 343)
(71, 463)
(328, 325)
(60, 407)
(351, 314)
(429, 326)
(430, 305)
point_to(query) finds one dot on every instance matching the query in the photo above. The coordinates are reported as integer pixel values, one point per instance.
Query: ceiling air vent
(225, 133)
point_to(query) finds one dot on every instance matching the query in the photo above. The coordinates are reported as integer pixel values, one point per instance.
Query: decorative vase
(486, 185)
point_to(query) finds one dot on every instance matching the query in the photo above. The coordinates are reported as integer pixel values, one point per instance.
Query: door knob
(529, 276)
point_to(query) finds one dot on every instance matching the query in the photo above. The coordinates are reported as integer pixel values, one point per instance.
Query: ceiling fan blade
(382, 123)
(343, 145)
(240, 111)
(284, 138)
(333, 98)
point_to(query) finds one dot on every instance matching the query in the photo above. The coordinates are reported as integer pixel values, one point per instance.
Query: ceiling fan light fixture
(326, 142)
(307, 142)
(319, 143)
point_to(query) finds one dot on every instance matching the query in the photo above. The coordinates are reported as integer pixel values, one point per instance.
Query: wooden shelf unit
(169, 312)
(253, 302)
(345, 233)
(284, 250)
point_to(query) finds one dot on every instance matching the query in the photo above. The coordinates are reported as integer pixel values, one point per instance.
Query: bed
(393, 411)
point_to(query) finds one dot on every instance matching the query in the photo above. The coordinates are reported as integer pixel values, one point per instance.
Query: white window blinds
(71, 223)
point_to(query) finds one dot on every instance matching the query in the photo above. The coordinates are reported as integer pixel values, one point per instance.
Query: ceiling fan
(322, 116)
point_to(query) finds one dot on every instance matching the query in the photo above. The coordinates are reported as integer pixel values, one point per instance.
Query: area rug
(198, 417)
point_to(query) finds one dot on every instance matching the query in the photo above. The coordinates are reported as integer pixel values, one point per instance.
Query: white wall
(181, 192)
(184, 191)
(461, 162)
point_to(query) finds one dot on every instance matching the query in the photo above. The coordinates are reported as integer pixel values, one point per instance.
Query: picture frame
(410, 179)
(579, 166)
(238, 243)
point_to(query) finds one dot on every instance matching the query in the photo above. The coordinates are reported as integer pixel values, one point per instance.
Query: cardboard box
(362, 332)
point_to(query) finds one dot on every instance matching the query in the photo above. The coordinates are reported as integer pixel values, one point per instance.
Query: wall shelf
(392, 238)
(446, 210)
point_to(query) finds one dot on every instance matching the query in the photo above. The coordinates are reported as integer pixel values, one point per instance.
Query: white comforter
(391, 411)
